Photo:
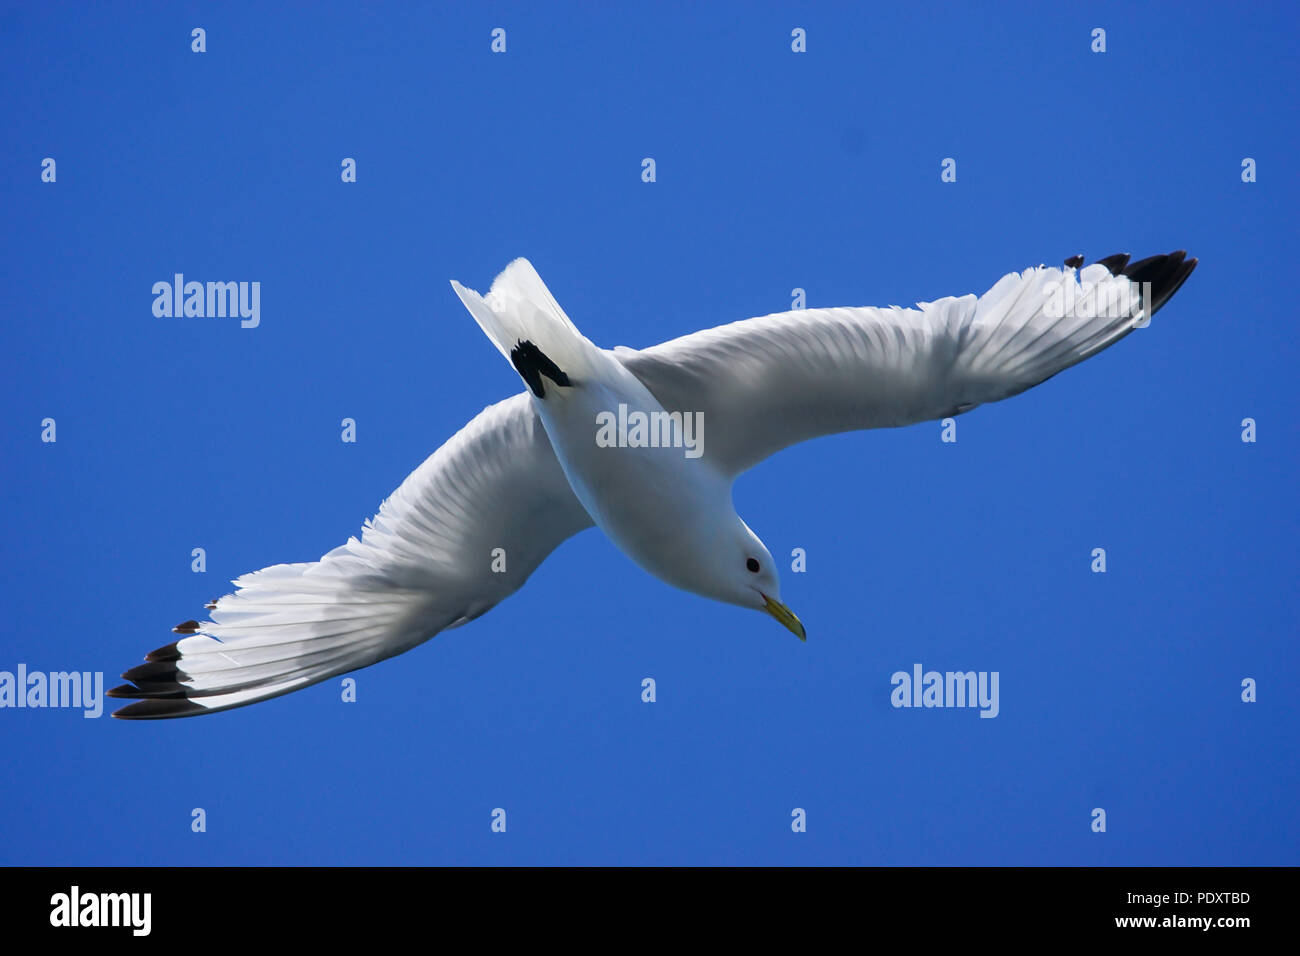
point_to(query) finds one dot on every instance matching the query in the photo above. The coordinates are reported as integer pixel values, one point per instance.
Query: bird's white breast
(650, 501)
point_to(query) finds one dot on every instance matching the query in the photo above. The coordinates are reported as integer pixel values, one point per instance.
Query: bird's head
(751, 579)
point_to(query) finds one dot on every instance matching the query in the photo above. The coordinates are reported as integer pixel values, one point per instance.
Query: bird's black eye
(752, 565)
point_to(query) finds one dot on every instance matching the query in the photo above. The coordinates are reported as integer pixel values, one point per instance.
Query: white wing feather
(423, 564)
(766, 383)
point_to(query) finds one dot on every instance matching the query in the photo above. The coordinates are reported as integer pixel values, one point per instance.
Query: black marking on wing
(159, 686)
(156, 709)
(1165, 273)
(168, 652)
(532, 363)
(154, 680)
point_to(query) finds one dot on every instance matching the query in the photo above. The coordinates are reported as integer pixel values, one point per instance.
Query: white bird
(468, 527)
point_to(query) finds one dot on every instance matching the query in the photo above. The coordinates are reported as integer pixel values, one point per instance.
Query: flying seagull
(467, 528)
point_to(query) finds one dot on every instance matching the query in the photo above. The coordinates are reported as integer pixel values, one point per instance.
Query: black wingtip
(186, 627)
(1165, 273)
(169, 652)
(1115, 263)
(161, 692)
(160, 709)
(1074, 262)
(155, 672)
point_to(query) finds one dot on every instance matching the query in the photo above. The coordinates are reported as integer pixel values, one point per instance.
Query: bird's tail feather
(520, 311)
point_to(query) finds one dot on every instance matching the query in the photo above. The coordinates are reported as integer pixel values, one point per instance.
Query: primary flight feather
(528, 472)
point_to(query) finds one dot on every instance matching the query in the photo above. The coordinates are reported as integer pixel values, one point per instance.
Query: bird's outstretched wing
(764, 384)
(428, 561)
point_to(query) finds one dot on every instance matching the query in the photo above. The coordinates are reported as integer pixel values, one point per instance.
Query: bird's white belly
(644, 498)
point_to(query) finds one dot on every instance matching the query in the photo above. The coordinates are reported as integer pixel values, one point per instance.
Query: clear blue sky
(775, 170)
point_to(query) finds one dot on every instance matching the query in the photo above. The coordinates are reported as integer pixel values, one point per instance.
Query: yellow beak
(786, 617)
